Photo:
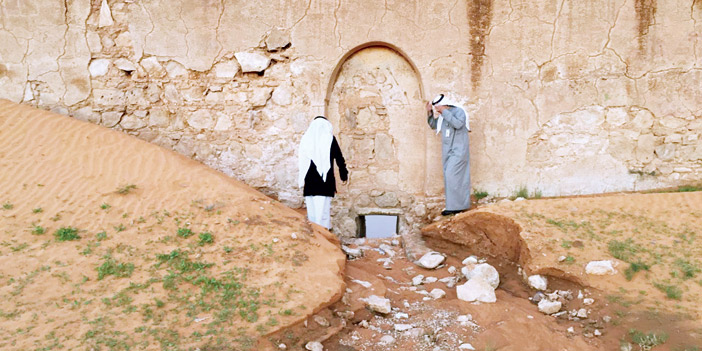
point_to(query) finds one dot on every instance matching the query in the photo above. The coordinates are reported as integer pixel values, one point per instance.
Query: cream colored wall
(566, 97)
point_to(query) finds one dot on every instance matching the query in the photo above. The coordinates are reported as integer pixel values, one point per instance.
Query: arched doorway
(375, 103)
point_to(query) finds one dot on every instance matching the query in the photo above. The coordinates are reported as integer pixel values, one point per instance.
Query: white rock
(175, 69)
(277, 39)
(431, 260)
(452, 270)
(282, 346)
(437, 293)
(105, 19)
(314, 346)
(588, 301)
(582, 313)
(401, 315)
(321, 321)
(403, 327)
(538, 282)
(378, 304)
(387, 340)
(547, 306)
(293, 236)
(125, 65)
(606, 319)
(417, 280)
(599, 267)
(571, 330)
(353, 253)
(362, 283)
(252, 62)
(485, 271)
(428, 280)
(99, 67)
(476, 289)
(466, 346)
(152, 66)
(226, 70)
(598, 332)
(519, 199)
(449, 281)
(470, 260)
(387, 249)
(561, 258)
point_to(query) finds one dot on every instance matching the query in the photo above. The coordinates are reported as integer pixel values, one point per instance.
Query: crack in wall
(451, 20)
(65, 44)
(646, 16)
(614, 24)
(479, 18)
(336, 31)
(219, 23)
(555, 27)
(309, 5)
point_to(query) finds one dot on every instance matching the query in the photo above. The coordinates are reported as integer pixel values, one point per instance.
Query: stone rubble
(599, 268)
(378, 304)
(547, 306)
(538, 282)
(431, 260)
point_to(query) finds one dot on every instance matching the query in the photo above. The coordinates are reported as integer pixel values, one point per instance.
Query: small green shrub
(688, 270)
(37, 210)
(124, 190)
(647, 341)
(67, 234)
(205, 238)
(623, 250)
(38, 230)
(111, 267)
(101, 236)
(479, 194)
(522, 192)
(184, 232)
(8, 206)
(105, 206)
(635, 267)
(671, 291)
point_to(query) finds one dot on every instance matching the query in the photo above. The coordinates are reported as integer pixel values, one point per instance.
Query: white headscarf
(443, 100)
(315, 146)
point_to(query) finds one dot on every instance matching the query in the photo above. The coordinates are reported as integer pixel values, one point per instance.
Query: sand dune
(57, 172)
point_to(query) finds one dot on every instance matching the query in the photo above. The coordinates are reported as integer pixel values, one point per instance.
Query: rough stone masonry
(565, 97)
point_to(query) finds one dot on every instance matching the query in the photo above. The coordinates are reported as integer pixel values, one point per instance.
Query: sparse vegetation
(686, 268)
(647, 341)
(671, 291)
(8, 206)
(480, 194)
(205, 238)
(184, 232)
(112, 267)
(67, 234)
(105, 206)
(126, 189)
(37, 210)
(38, 230)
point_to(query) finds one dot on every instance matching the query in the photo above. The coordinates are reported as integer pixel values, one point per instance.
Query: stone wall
(566, 97)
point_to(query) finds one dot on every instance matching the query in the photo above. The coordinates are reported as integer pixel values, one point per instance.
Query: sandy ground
(171, 254)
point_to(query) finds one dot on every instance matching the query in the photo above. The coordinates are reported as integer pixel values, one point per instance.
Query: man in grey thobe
(452, 124)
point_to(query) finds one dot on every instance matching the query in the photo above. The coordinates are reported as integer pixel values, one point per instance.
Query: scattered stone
(538, 282)
(418, 280)
(580, 294)
(561, 258)
(314, 346)
(352, 253)
(321, 321)
(588, 301)
(364, 324)
(599, 267)
(252, 62)
(606, 319)
(387, 340)
(362, 283)
(387, 249)
(485, 271)
(449, 281)
(277, 39)
(401, 315)
(282, 346)
(226, 69)
(538, 297)
(403, 327)
(414, 332)
(476, 289)
(470, 260)
(597, 332)
(466, 346)
(431, 260)
(437, 293)
(395, 242)
(294, 237)
(452, 270)
(428, 280)
(547, 306)
(378, 304)
(519, 199)
(571, 330)
(582, 313)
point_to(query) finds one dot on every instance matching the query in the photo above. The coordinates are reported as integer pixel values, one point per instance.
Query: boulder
(485, 271)
(431, 260)
(476, 289)
(437, 293)
(314, 346)
(378, 304)
(538, 282)
(599, 267)
(547, 306)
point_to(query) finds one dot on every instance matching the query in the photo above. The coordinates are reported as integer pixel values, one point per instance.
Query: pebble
(430, 280)
(378, 304)
(314, 346)
(282, 346)
(588, 301)
(403, 327)
(466, 346)
(470, 260)
(321, 321)
(571, 330)
(547, 306)
(598, 332)
(386, 340)
(418, 280)
(431, 260)
(452, 270)
(437, 293)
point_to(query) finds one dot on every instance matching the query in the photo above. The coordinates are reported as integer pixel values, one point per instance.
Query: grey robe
(454, 157)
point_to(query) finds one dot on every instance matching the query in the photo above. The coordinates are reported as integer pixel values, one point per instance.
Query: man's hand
(428, 106)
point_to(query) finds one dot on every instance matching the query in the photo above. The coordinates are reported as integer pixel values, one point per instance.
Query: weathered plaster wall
(567, 97)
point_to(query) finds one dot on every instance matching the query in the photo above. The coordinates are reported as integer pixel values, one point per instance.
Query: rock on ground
(431, 260)
(378, 304)
(476, 289)
(538, 282)
(599, 267)
(485, 271)
(547, 306)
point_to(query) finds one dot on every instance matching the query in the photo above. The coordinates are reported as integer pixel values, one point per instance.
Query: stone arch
(375, 102)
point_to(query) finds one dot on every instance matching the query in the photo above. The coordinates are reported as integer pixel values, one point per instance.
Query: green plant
(205, 238)
(479, 194)
(124, 190)
(623, 250)
(67, 234)
(566, 244)
(111, 267)
(687, 269)
(7, 206)
(647, 341)
(569, 259)
(101, 236)
(689, 188)
(522, 192)
(635, 267)
(671, 291)
(184, 232)
(38, 230)
(37, 210)
(120, 228)
(105, 206)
